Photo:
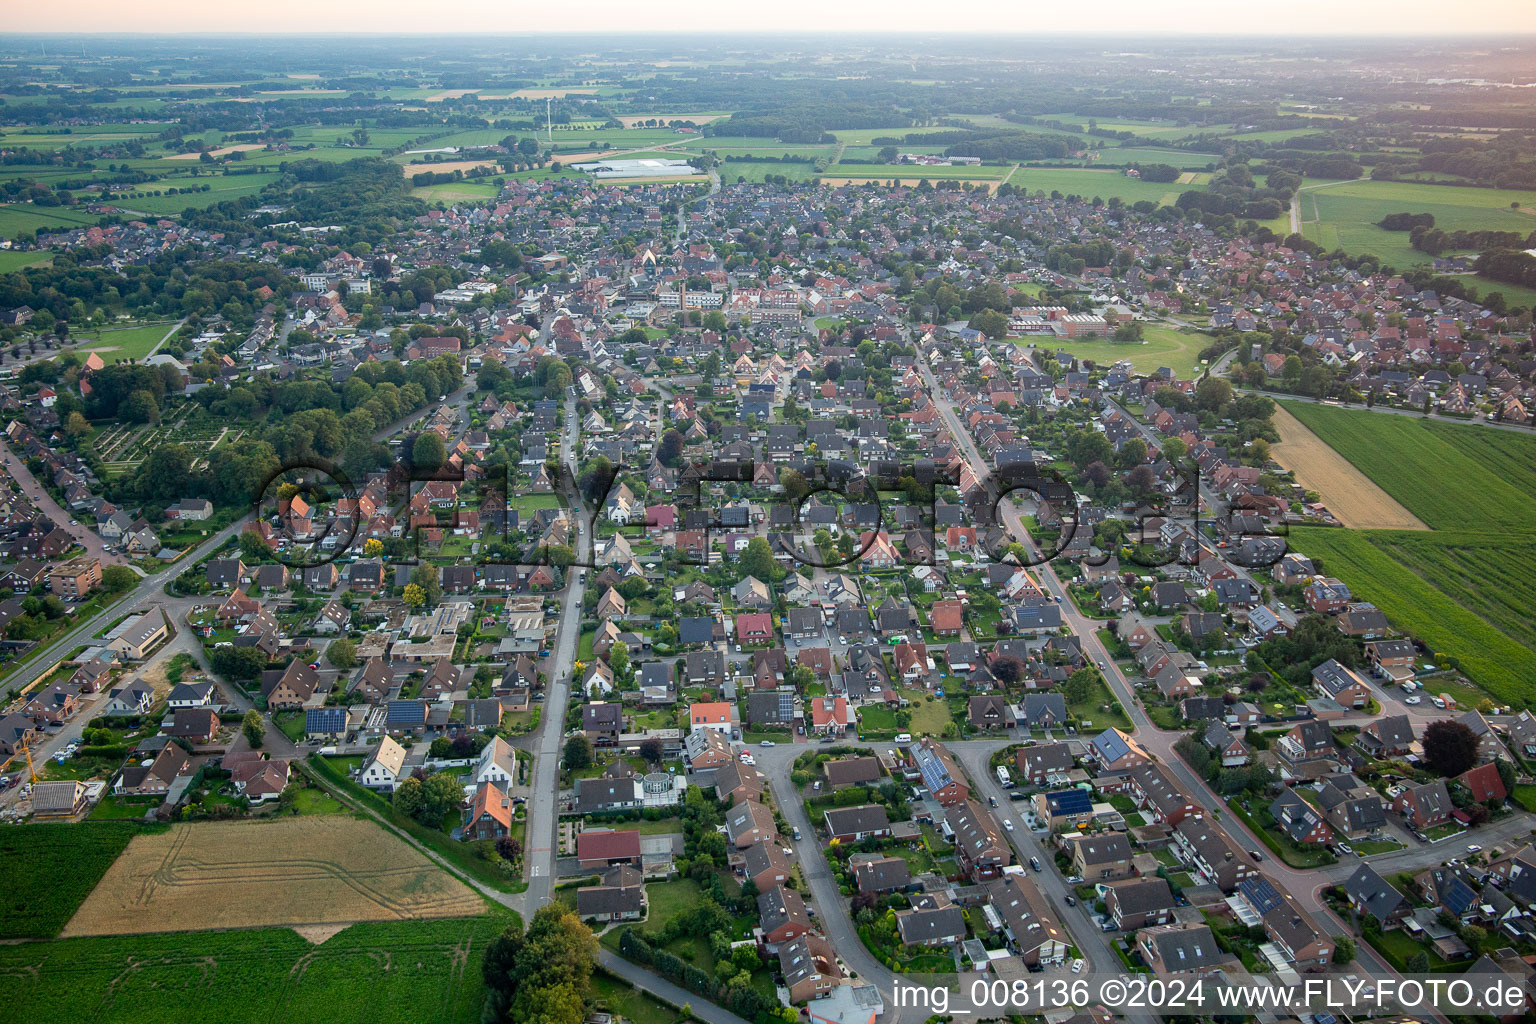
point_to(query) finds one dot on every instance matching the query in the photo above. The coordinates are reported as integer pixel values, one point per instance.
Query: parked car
(1077, 967)
(1071, 901)
(1412, 700)
(1474, 848)
(1008, 825)
(1346, 848)
(766, 743)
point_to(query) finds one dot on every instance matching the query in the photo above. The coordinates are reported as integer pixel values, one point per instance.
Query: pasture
(1451, 476)
(1349, 494)
(292, 871)
(1344, 215)
(51, 868)
(1163, 345)
(418, 972)
(1441, 596)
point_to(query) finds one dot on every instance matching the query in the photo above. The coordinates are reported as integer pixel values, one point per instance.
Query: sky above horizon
(1112, 17)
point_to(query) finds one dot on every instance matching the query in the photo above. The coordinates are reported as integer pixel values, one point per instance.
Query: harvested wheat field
(1349, 494)
(244, 147)
(291, 872)
(446, 167)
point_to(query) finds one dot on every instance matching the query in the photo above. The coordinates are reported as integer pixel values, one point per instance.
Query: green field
(50, 869)
(1452, 476)
(1163, 346)
(1345, 215)
(390, 973)
(13, 261)
(1463, 588)
(124, 343)
(1433, 596)
(1089, 182)
(1173, 157)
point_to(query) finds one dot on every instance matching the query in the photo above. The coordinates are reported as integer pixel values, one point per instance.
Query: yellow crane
(31, 771)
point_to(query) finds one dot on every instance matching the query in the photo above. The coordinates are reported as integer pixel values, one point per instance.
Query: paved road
(540, 837)
(776, 765)
(39, 496)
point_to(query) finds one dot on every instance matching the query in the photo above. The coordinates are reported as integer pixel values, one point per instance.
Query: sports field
(114, 346)
(291, 871)
(1353, 498)
(1163, 345)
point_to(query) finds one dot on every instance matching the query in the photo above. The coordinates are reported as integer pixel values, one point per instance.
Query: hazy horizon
(1110, 18)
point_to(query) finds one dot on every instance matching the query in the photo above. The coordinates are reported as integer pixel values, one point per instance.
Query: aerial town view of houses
(495, 533)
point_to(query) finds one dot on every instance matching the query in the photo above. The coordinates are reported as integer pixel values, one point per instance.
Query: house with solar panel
(1116, 753)
(326, 724)
(1064, 809)
(940, 775)
(406, 716)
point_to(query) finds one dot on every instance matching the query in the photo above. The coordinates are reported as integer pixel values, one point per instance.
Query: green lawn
(1162, 345)
(614, 995)
(114, 346)
(1092, 709)
(12, 261)
(1525, 796)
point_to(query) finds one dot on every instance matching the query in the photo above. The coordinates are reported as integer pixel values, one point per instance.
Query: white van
(903, 737)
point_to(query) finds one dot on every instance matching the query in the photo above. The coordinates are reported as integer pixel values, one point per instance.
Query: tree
(238, 663)
(757, 560)
(650, 749)
(543, 976)
(578, 753)
(76, 425)
(1008, 669)
(118, 578)
(1343, 949)
(1128, 333)
(373, 547)
(1291, 369)
(342, 654)
(618, 659)
(413, 596)
(1450, 747)
(251, 725)
(428, 452)
(670, 453)
(425, 577)
(139, 407)
(1213, 393)
(1078, 688)
(253, 547)
(510, 847)
(1418, 963)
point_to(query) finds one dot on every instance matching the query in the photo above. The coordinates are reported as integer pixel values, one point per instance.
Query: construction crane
(31, 771)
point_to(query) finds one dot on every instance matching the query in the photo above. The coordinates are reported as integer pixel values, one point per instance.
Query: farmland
(1163, 345)
(50, 869)
(1353, 498)
(1461, 587)
(1452, 476)
(385, 973)
(1426, 598)
(307, 870)
(1344, 215)
(1090, 182)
